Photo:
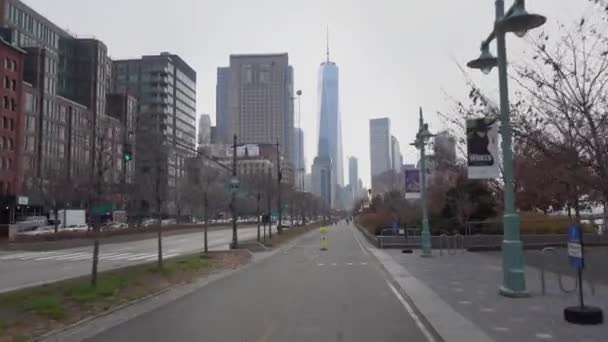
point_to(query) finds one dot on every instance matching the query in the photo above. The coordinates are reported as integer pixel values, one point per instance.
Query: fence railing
(545, 252)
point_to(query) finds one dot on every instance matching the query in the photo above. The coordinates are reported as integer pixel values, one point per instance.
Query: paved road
(301, 294)
(27, 268)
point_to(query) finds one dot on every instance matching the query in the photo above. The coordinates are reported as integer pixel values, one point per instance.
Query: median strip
(30, 313)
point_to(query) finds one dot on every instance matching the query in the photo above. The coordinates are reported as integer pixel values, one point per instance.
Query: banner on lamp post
(482, 148)
(412, 184)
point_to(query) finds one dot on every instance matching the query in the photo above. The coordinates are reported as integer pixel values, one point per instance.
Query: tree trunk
(206, 222)
(95, 254)
(56, 218)
(257, 214)
(160, 237)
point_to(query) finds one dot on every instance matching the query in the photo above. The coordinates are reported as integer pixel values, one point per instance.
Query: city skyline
(366, 50)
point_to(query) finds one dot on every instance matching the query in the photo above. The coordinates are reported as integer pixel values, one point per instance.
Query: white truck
(70, 218)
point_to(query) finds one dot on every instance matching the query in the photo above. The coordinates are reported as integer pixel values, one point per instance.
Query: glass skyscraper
(330, 131)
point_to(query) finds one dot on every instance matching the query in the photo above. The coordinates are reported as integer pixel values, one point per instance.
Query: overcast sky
(394, 55)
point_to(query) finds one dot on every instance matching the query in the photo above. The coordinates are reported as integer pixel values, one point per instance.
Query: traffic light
(127, 153)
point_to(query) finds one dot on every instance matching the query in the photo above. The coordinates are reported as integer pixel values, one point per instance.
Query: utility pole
(233, 195)
(268, 205)
(257, 212)
(279, 179)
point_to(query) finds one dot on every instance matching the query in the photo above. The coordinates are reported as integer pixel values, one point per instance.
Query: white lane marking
(501, 329)
(82, 257)
(363, 263)
(141, 256)
(359, 243)
(487, 309)
(349, 263)
(120, 256)
(410, 311)
(542, 336)
(68, 256)
(37, 255)
(334, 264)
(464, 302)
(16, 256)
(113, 255)
(320, 264)
(49, 257)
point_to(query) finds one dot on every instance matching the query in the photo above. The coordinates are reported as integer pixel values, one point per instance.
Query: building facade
(321, 179)
(380, 145)
(353, 175)
(396, 158)
(330, 125)
(13, 119)
(166, 120)
(204, 130)
(222, 115)
(260, 101)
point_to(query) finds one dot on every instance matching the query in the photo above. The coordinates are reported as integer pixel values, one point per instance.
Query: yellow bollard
(323, 231)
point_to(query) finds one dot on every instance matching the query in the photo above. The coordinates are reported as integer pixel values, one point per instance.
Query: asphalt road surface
(299, 295)
(29, 268)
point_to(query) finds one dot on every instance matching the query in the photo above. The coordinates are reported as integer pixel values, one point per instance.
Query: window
(14, 85)
(7, 83)
(4, 122)
(6, 102)
(14, 62)
(13, 105)
(10, 144)
(8, 167)
(12, 124)
(7, 63)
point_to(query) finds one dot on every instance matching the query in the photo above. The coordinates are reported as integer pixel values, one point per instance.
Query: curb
(444, 321)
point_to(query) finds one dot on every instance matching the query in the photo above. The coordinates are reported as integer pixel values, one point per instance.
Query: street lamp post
(422, 138)
(518, 21)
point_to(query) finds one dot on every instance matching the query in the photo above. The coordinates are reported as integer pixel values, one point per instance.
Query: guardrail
(451, 243)
(552, 250)
(388, 240)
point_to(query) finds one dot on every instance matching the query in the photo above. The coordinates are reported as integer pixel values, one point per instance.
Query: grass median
(32, 312)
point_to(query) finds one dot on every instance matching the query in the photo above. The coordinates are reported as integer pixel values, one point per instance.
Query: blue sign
(575, 247)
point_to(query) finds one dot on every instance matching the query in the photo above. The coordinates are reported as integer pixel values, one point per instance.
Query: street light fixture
(422, 138)
(485, 62)
(519, 21)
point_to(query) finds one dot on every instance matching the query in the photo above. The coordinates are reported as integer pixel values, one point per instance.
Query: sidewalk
(461, 292)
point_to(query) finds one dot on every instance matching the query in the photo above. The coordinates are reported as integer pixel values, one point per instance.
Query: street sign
(101, 208)
(234, 184)
(575, 247)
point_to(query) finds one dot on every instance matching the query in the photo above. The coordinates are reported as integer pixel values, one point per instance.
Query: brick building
(12, 117)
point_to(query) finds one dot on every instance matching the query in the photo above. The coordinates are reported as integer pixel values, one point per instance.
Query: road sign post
(581, 314)
(324, 243)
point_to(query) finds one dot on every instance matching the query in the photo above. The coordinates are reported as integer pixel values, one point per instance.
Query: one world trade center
(330, 132)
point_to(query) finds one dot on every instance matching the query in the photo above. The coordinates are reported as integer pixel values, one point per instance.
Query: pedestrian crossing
(322, 264)
(80, 256)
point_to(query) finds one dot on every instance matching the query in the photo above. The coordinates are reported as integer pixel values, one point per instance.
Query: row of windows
(7, 144)
(10, 84)
(6, 164)
(29, 24)
(10, 103)
(10, 64)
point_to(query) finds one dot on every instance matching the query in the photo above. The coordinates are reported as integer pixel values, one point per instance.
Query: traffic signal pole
(233, 195)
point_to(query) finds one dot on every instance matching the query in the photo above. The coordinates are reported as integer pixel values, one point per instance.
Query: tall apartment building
(258, 90)
(380, 145)
(204, 130)
(166, 121)
(353, 175)
(13, 117)
(66, 83)
(222, 118)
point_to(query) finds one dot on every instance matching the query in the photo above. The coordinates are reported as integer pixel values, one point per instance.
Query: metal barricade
(552, 250)
(451, 243)
(388, 240)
